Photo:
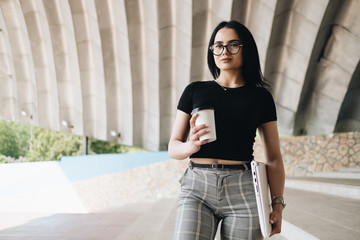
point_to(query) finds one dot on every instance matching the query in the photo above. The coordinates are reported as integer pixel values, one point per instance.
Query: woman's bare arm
(184, 125)
(275, 169)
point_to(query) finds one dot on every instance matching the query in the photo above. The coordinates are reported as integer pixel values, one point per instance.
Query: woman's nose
(225, 50)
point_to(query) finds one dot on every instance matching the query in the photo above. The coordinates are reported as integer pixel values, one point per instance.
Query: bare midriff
(216, 161)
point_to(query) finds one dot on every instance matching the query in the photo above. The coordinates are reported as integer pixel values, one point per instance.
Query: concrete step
(348, 188)
(350, 169)
(343, 173)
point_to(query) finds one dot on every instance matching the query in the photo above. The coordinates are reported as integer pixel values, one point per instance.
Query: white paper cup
(206, 116)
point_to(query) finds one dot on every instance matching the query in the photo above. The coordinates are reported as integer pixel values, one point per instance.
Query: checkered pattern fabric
(211, 196)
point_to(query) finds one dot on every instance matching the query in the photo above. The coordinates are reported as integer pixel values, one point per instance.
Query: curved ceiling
(114, 69)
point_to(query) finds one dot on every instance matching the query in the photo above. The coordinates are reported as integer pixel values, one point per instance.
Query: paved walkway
(137, 221)
(323, 216)
(317, 208)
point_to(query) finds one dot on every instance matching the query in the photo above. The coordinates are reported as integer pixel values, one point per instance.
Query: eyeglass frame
(223, 47)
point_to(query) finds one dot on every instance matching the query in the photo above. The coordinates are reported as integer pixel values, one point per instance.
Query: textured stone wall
(305, 155)
(148, 183)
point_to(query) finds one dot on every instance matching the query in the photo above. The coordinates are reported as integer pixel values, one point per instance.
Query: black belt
(244, 166)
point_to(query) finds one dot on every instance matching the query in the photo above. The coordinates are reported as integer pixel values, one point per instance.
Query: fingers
(275, 229)
(192, 120)
(199, 131)
(200, 142)
(195, 133)
(275, 220)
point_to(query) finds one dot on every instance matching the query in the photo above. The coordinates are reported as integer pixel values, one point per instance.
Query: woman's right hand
(184, 140)
(195, 133)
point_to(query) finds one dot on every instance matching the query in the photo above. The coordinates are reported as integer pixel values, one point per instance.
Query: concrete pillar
(8, 91)
(115, 69)
(116, 57)
(206, 16)
(44, 66)
(144, 56)
(151, 135)
(318, 49)
(257, 15)
(349, 115)
(174, 60)
(66, 64)
(89, 51)
(294, 32)
(135, 32)
(334, 71)
(22, 60)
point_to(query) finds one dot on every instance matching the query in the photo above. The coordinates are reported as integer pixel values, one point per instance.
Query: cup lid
(195, 110)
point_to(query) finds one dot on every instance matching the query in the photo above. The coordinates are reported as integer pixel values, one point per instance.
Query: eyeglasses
(232, 48)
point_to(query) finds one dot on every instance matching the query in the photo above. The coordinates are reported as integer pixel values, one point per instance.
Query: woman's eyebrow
(230, 41)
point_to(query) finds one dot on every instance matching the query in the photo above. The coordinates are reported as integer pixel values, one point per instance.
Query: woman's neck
(230, 80)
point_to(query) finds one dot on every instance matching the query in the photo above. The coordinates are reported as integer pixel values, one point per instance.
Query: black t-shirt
(238, 113)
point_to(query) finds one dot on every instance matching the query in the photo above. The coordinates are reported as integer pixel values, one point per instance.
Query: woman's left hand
(276, 219)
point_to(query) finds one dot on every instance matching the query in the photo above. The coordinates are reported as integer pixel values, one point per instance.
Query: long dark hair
(251, 64)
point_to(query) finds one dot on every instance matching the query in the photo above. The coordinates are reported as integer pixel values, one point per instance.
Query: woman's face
(226, 60)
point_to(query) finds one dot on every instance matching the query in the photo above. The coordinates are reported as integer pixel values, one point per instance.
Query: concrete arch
(44, 66)
(258, 16)
(167, 63)
(8, 92)
(183, 32)
(116, 57)
(144, 56)
(120, 66)
(349, 117)
(174, 60)
(293, 36)
(206, 15)
(323, 35)
(66, 64)
(151, 135)
(136, 47)
(22, 60)
(88, 44)
(334, 71)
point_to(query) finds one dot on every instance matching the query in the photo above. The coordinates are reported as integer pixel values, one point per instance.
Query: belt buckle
(217, 166)
(190, 165)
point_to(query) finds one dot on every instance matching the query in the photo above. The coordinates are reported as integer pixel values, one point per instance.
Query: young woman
(218, 186)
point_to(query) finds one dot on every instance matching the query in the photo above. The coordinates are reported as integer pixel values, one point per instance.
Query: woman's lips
(225, 59)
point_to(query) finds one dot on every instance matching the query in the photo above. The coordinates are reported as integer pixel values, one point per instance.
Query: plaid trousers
(209, 196)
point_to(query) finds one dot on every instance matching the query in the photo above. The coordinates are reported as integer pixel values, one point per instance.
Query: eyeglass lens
(232, 48)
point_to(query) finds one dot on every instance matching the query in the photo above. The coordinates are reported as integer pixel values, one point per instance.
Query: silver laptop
(263, 199)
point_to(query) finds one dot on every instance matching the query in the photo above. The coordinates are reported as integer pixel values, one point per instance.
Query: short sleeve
(268, 109)
(185, 102)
